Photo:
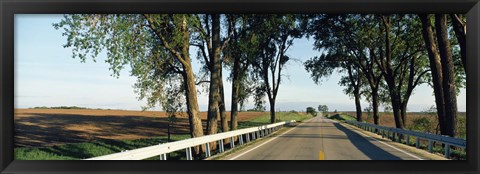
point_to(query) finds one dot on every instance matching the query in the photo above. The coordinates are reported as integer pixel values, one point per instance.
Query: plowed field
(48, 127)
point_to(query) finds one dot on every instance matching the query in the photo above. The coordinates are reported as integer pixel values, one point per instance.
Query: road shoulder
(413, 150)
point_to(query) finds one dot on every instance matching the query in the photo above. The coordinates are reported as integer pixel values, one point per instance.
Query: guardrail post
(232, 142)
(253, 136)
(220, 146)
(189, 153)
(248, 137)
(447, 150)
(240, 140)
(207, 151)
(383, 133)
(399, 137)
(417, 144)
(408, 140)
(430, 146)
(163, 156)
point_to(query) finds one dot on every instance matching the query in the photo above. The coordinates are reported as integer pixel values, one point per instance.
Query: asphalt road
(321, 139)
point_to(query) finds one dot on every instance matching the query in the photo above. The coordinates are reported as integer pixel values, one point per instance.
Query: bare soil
(48, 127)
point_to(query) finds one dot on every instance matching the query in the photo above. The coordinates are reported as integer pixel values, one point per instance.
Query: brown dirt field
(387, 119)
(48, 127)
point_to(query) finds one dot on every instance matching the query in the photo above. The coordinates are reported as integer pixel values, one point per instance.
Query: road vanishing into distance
(320, 138)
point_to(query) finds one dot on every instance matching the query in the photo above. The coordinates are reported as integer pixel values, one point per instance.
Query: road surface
(321, 139)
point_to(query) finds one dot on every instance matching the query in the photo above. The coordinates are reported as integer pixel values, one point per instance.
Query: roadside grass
(280, 116)
(78, 151)
(341, 117)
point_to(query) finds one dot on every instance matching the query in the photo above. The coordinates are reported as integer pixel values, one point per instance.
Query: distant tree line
(384, 58)
(60, 107)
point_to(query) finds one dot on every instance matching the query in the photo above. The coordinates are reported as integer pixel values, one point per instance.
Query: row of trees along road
(157, 49)
(383, 56)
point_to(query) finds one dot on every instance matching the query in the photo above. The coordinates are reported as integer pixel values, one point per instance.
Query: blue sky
(47, 75)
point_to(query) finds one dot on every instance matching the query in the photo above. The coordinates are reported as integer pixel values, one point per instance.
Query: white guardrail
(163, 149)
(394, 135)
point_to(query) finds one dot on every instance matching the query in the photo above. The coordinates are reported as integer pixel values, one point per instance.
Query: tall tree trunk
(403, 112)
(221, 103)
(235, 93)
(375, 105)
(461, 33)
(355, 82)
(215, 67)
(358, 106)
(193, 111)
(436, 69)
(449, 89)
(396, 111)
(390, 76)
(395, 101)
(272, 110)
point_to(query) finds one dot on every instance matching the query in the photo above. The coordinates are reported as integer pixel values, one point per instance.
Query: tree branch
(164, 41)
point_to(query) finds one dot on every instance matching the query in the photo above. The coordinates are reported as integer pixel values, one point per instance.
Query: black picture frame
(9, 8)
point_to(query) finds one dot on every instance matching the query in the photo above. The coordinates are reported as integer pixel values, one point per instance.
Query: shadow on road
(365, 146)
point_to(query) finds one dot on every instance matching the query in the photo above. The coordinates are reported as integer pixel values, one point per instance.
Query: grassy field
(280, 116)
(99, 147)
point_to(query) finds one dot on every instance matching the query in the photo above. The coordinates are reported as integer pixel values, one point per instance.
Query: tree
(348, 36)
(275, 34)
(239, 54)
(155, 46)
(323, 66)
(442, 67)
(311, 111)
(379, 47)
(402, 61)
(172, 104)
(211, 46)
(460, 28)
(323, 109)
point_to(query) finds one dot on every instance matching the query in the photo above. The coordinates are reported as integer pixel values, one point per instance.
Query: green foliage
(131, 39)
(274, 34)
(430, 123)
(323, 109)
(423, 124)
(311, 111)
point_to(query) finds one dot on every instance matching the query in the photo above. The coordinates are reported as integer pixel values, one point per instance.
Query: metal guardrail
(163, 149)
(394, 135)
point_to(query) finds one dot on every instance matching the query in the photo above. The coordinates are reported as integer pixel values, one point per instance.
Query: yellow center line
(321, 154)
